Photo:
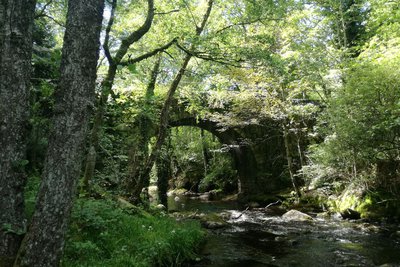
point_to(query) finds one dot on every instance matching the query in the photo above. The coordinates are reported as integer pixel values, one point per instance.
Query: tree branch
(44, 15)
(244, 23)
(106, 44)
(208, 57)
(41, 13)
(167, 12)
(200, 29)
(136, 35)
(147, 55)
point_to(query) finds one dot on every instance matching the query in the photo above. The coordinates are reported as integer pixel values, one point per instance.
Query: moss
(378, 205)
(372, 205)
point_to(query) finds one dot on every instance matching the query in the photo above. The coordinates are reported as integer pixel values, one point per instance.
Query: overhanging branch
(147, 55)
(106, 44)
(208, 57)
(136, 35)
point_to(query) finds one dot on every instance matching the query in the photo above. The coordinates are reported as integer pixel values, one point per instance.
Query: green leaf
(132, 68)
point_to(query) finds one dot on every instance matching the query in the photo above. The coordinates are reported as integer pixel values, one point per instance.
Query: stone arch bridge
(257, 151)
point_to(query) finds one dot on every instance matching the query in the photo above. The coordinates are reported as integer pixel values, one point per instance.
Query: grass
(102, 234)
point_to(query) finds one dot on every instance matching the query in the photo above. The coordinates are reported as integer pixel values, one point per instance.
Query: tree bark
(44, 242)
(16, 24)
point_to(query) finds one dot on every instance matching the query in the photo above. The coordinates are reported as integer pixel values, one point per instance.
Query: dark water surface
(255, 239)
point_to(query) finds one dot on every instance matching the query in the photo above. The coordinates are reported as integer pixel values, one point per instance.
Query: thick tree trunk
(44, 242)
(16, 21)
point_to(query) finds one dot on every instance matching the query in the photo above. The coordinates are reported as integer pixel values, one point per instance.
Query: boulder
(213, 224)
(324, 215)
(295, 215)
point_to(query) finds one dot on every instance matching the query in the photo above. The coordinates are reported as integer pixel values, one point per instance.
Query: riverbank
(115, 233)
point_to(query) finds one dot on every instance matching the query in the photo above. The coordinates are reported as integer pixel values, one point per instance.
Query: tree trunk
(16, 21)
(206, 153)
(107, 84)
(44, 242)
(290, 160)
(139, 151)
(163, 164)
(164, 116)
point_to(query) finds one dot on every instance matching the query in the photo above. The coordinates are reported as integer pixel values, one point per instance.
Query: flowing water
(259, 238)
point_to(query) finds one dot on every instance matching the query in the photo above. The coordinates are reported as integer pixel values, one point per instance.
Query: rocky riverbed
(267, 237)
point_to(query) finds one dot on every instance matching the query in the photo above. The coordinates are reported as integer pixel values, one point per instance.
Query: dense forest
(112, 111)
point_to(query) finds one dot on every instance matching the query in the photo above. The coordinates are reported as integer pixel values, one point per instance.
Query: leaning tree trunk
(16, 21)
(44, 242)
(139, 151)
(164, 116)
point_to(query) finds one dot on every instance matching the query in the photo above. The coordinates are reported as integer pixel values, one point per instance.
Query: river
(255, 238)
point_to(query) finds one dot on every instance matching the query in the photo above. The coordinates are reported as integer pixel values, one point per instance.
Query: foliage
(221, 176)
(102, 234)
(31, 189)
(363, 115)
(201, 161)
(360, 125)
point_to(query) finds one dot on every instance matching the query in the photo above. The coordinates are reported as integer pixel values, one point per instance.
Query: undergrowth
(102, 234)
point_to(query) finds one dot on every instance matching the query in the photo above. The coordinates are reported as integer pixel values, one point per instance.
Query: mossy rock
(213, 221)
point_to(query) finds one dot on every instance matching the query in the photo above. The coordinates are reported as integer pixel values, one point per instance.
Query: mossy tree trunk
(16, 24)
(44, 242)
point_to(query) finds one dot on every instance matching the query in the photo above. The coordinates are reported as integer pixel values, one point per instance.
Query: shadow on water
(257, 239)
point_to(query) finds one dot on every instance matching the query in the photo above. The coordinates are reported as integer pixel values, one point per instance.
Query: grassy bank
(103, 234)
(117, 234)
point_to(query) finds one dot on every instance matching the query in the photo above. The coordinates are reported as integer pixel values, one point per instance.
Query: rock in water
(350, 214)
(161, 207)
(295, 215)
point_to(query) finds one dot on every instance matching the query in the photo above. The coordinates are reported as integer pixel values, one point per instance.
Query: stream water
(255, 238)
